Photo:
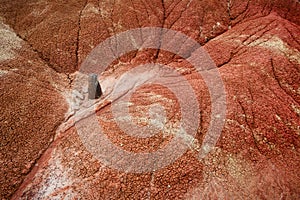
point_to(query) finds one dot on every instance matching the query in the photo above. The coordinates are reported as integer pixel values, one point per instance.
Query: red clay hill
(254, 44)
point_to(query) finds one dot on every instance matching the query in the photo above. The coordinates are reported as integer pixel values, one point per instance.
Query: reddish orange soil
(254, 44)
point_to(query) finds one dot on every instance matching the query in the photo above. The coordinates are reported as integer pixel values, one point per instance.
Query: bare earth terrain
(256, 46)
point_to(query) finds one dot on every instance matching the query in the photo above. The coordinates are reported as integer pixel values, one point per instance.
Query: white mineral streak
(9, 42)
(81, 107)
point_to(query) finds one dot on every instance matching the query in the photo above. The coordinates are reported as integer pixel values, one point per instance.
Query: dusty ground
(254, 44)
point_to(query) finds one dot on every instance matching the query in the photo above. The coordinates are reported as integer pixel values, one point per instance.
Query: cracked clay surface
(254, 44)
